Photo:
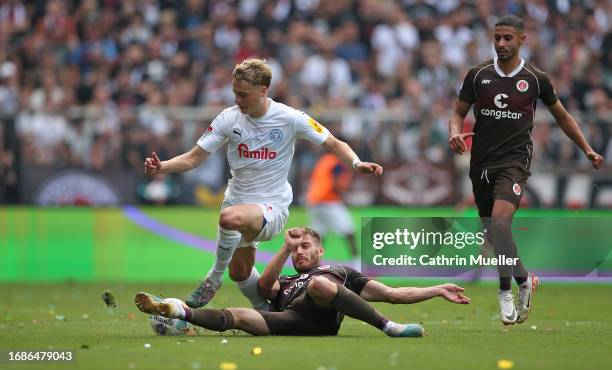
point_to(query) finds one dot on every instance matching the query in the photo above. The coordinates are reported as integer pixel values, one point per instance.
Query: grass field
(55, 264)
(572, 330)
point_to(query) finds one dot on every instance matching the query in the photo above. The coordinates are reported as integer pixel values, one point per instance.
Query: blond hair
(254, 71)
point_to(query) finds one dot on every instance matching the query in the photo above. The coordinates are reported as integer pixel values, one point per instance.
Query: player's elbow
(196, 156)
(265, 289)
(332, 144)
(263, 286)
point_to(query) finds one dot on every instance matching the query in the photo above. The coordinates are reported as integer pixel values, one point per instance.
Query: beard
(509, 54)
(305, 267)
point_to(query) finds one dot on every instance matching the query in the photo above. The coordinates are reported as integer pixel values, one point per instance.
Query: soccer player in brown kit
(311, 302)
(504, 92)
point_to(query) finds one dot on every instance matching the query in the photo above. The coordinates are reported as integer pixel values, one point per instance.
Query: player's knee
(228, 219)
(237, 317)
(321, 288)
(500, 222)
(502, 215)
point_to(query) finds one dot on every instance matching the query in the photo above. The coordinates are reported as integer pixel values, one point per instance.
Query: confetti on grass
(228, 366)
(256, 351)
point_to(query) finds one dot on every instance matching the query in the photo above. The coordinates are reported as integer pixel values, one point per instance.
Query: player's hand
(368, 167)
(453, 293)
(595, 159)
(293, 238)
(152, 166)
(457, 142)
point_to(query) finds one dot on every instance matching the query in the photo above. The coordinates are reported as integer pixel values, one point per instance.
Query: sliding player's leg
(326, 293)
(245, 319)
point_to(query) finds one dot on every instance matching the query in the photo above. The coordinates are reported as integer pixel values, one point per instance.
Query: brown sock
(503, 246)
(520, 273)
(217, 320)
(356, 307)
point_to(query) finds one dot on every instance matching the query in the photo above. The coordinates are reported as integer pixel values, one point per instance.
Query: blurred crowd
(121, 61)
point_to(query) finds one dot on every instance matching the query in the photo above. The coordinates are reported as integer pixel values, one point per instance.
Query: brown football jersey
(504, 107)
(292, 286)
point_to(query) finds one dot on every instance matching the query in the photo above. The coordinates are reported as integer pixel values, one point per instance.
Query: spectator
(126, 61)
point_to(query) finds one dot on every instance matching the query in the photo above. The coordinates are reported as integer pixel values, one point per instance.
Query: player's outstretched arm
(456, 139)
(268, 281)
(181, 163)
(569, 125)
(375, 291)
(348, 156)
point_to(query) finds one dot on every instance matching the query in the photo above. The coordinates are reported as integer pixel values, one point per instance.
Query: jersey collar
(511, 74)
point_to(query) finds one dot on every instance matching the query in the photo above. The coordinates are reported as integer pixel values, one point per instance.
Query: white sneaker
(525, 294)
(507, 308)
(394, 329)
(203, 294)
(166, 307)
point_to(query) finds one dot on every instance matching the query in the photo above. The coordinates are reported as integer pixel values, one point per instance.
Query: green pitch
(572, 331)
(55, 264)
(88, 244)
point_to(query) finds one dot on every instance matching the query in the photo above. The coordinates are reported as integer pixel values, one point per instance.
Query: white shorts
(275, 219)
(334, 217)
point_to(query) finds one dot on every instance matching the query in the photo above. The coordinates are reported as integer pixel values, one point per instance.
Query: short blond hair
(254, 71)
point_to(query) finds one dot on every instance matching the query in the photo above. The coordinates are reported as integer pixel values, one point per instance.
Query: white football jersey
(260, 150)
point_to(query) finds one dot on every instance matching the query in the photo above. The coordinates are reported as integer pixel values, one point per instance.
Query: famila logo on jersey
(263, 153)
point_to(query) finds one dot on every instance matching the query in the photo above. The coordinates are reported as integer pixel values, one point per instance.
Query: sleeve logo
(316, 125)
(208, 131)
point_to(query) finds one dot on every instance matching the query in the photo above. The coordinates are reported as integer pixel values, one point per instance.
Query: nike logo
(225, 249)
(512, 316)
(237, 133)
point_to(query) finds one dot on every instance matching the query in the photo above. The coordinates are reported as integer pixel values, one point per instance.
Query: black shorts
(303, 317)
(499, 183)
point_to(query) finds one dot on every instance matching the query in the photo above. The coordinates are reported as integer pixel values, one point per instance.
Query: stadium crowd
(123, 60)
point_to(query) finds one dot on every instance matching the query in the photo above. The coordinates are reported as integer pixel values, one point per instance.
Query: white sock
(178, 306)
(227, 240)
(181, 312)
(250, 289)
(392, 328)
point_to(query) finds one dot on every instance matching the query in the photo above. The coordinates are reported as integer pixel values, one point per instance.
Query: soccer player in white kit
(260, 134)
